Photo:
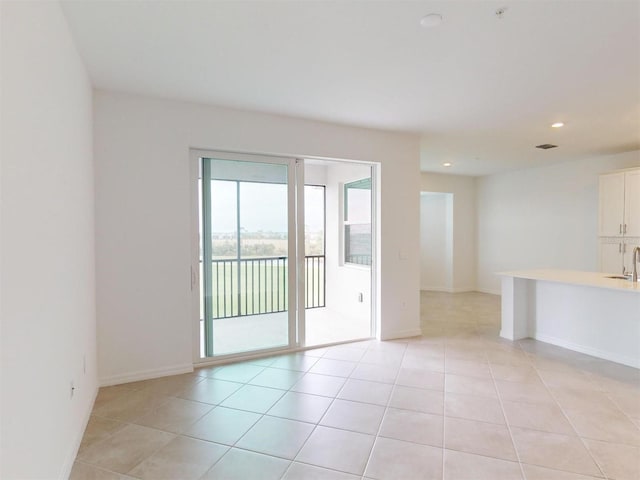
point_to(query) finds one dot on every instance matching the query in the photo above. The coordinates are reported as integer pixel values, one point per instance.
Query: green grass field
(259, 287)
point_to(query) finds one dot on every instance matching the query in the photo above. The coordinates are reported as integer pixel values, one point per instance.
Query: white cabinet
(611, 260)
(616, 255)
(631, 225)
(611, 214)
(619, 206)
(619, 219)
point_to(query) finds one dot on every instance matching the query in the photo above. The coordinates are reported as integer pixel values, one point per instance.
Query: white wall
(436, 241)
(541, 217)
(315, 174)
(47, 243)
(143, 218)
(463, 188)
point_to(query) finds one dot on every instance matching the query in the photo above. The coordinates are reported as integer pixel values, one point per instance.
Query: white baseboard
(75, 446)
(413, 332)
(451, 290)
(463, 289)
(488, 290)
(145, 374)
(435, 289)
(594, 352)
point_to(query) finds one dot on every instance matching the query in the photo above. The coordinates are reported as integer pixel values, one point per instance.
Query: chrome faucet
(636, 254)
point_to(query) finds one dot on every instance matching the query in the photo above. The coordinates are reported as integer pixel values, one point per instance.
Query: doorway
(349, 252)
(281, 242)
(436, 241)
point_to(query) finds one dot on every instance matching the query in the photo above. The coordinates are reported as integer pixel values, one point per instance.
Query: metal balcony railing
(254, 286)
(361, 259)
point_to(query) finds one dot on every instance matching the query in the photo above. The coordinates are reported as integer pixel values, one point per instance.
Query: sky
(263, 206)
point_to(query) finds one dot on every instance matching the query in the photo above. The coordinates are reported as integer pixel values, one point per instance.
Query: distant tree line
(225, 244)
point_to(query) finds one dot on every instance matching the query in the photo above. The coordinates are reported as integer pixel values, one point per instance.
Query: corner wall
(143, 218)
(541, 217)
(47, 244)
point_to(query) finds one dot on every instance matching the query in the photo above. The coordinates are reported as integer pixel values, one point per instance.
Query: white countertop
(574, 277)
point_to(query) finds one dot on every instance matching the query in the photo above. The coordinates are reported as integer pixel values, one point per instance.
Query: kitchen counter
(581, 311)
(574, 277)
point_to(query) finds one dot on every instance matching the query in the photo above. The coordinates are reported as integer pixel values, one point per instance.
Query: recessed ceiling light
(431, 20)
(557, 125)
(446, 164)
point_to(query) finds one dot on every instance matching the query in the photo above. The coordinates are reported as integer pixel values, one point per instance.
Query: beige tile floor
(457, 403)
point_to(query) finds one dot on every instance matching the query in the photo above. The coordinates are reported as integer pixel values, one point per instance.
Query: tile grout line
(549, 391)
(200, 418)
(230, 447)
(175, 435)
(265, 414)
(530, 358)
(624, 413)
(384, 414)
(444, 404)
(506, 421)
(131, 423)
(262, 415)
(99, 468)
(387, 403)
(317, 424)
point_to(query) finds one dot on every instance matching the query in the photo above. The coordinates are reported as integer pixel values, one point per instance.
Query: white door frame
(296, 246)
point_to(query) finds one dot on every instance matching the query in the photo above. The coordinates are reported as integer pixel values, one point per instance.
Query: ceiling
(481, 90)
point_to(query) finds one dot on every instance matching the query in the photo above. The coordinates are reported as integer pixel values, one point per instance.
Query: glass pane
(314, 220)
(357, 244)
(264, 247)
(263, 220)
(224, 211)
(338, 297)
(314, 239)
(357, 201)
(246, 274)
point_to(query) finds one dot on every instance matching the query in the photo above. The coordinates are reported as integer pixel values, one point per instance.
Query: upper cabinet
(619, 210)
(632, 204)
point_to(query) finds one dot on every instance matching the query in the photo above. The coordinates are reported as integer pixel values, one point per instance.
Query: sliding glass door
(284, 255)
(247, 249)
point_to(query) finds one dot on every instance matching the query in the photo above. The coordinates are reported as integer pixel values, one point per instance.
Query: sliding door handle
(194, 278)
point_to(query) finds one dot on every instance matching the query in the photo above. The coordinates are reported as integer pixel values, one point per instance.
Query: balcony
(257, 286)
(245, 214)
(250, 308)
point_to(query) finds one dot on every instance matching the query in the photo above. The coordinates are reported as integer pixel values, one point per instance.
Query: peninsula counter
(582, 311)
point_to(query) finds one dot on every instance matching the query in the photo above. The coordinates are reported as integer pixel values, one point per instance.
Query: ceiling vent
(546, 146)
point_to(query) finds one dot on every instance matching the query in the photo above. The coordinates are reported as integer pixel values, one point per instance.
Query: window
(357, 222)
